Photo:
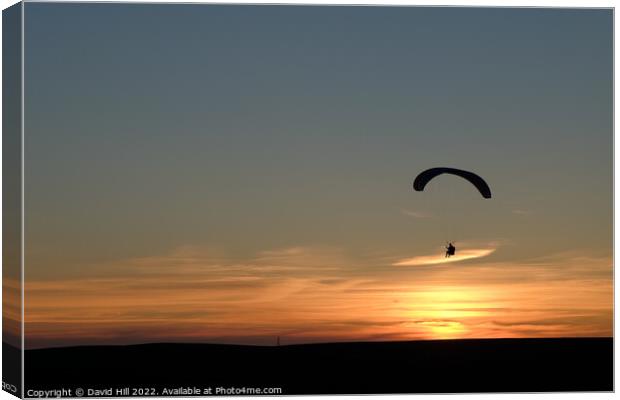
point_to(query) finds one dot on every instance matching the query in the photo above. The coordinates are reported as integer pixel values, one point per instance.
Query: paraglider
(450, 250)
(426, 176)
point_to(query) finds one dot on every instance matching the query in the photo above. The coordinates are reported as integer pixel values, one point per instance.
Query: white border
(503, 3)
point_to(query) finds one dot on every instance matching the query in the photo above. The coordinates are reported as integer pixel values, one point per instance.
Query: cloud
(417, 214)
(310, 293)
(441, 259)
(521, 212)
(592, 317)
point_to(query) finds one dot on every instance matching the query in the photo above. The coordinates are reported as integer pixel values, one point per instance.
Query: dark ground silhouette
(439, 366)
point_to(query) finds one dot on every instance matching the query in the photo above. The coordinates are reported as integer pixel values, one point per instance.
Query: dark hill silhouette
(439, 366)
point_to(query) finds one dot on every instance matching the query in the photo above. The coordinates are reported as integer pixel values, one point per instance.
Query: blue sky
(244, 129)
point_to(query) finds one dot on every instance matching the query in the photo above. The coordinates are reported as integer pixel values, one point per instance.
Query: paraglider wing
(426, 176)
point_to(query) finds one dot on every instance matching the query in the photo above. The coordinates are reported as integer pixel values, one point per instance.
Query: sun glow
(445, 329)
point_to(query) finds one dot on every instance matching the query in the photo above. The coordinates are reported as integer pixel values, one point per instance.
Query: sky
(232, 174)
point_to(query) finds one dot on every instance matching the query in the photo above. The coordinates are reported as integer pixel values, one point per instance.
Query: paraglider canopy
(426, 176)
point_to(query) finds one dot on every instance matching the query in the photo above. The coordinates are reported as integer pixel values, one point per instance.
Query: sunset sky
(232, 174)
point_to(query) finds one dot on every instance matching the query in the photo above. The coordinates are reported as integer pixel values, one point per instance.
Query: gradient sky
(235, 173)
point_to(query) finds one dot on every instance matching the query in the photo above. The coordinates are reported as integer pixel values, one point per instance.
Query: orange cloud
(317, 294)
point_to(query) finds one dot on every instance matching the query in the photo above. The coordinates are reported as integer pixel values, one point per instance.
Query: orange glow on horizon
(294, 295)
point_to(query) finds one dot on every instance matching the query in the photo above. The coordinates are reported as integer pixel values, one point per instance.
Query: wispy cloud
(521, 212)
(417, 214)
(309, 293)
(441, 259)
